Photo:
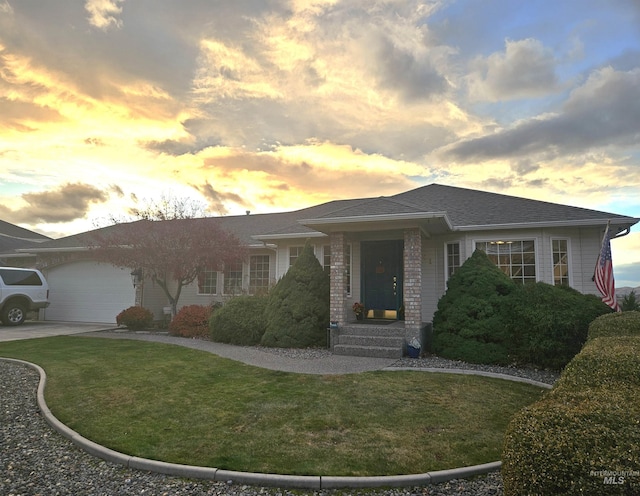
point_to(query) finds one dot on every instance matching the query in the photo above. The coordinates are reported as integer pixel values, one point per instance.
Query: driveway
(32, 329)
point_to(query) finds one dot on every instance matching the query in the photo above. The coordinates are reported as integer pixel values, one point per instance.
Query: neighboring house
(13, 237)
(393, 253)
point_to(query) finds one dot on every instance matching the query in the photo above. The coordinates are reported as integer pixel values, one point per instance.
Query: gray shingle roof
(13, 237)
(465, 208)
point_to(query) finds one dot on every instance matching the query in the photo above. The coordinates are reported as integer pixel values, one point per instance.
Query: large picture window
(517, 259)
(258, 274)
(560, 250)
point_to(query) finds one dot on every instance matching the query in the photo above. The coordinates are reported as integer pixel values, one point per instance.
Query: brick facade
(412, 282)
(338, 311)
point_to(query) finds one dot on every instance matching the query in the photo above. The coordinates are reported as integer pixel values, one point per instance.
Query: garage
(87, 291)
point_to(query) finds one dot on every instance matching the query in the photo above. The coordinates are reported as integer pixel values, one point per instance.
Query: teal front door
(382, 278)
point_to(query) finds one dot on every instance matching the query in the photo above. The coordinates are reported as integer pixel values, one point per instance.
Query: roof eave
(327, 222)
(271, 237)
(625, 222)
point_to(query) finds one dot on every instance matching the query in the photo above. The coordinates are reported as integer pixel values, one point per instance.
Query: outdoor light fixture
(136, 277)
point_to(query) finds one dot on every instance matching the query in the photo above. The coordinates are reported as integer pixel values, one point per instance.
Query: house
(13, 237)
(392, 253)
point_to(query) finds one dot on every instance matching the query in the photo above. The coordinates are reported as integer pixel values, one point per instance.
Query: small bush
(616, 324)
(191, 321)
(135, 318)
(240, 321)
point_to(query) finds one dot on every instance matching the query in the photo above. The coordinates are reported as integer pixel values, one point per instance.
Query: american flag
(603, 276)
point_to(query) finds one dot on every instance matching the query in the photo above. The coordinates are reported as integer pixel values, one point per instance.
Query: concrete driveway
(32, 329)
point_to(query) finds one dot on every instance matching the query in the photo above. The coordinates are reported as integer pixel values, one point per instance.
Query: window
(560, 251)
(453, 258)
(517, 259)
(258, 274)
(208, 282)
(20, 277)
(326, 258)
(326, 263)
(233, 278)
(294, 253)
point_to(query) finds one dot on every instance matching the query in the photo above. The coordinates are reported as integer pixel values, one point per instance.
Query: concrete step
(371, 330)
(368, 351)
(362, 340)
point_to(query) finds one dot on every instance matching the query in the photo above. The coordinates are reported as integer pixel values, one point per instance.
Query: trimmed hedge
(616, 324)
(584, 436)
(240, 321)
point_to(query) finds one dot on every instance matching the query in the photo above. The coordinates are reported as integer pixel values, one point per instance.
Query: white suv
(21, 290)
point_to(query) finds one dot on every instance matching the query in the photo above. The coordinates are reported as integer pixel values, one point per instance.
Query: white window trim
(217, 286)
(536, 244)
(446, 257)
(569, 260)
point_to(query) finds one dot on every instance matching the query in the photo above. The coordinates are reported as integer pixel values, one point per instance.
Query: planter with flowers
(358, 309)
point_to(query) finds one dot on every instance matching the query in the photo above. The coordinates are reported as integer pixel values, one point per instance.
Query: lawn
(185, 406)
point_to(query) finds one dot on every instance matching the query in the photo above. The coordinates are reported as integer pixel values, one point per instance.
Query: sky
(274, 105)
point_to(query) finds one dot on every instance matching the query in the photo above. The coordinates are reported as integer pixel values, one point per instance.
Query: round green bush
(616, 324)
(239, 321)
(135, 318)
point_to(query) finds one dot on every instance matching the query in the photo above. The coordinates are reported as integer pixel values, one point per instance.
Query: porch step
(367, 351)
(384, 341)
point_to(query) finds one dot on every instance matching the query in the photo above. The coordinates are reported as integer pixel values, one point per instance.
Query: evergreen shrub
(239, 321)
(135, 318)
(471, 320)
(615, 324)
(586, 428)
(548, 325)
(297, 312)
(191, 321)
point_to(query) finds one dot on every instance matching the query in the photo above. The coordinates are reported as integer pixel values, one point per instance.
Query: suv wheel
(13, 314)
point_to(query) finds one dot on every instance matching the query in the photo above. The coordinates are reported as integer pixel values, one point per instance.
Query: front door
(382, 278)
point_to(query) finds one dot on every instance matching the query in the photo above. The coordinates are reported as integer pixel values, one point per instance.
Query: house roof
(436, 208)
(467, 209)
(13, 237)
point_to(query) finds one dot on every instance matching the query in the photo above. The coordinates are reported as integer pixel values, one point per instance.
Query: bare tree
(168, 247)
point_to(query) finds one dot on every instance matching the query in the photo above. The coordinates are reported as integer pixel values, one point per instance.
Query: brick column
(412, 292)
(338, 290)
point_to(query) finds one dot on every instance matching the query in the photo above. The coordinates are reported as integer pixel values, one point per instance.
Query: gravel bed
(35, 460)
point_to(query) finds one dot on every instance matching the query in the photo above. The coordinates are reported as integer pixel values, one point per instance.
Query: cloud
(102, 13)
(69, 202)
(217, 199)
(526, 69)
(602, 112)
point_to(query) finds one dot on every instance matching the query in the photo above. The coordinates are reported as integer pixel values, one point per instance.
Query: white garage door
(88, 292)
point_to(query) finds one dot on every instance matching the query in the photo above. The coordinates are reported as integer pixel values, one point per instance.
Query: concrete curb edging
(494, 375)
(259, 479)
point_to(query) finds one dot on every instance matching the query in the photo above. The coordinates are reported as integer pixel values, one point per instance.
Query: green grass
(185, 406)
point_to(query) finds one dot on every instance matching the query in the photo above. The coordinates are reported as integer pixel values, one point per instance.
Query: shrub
(191, 321)
(297, 312)
(586, 426)
(135, 318)
(630, 303)
(471, 319)
(548, 324)
(240, 321)
(616, 324)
